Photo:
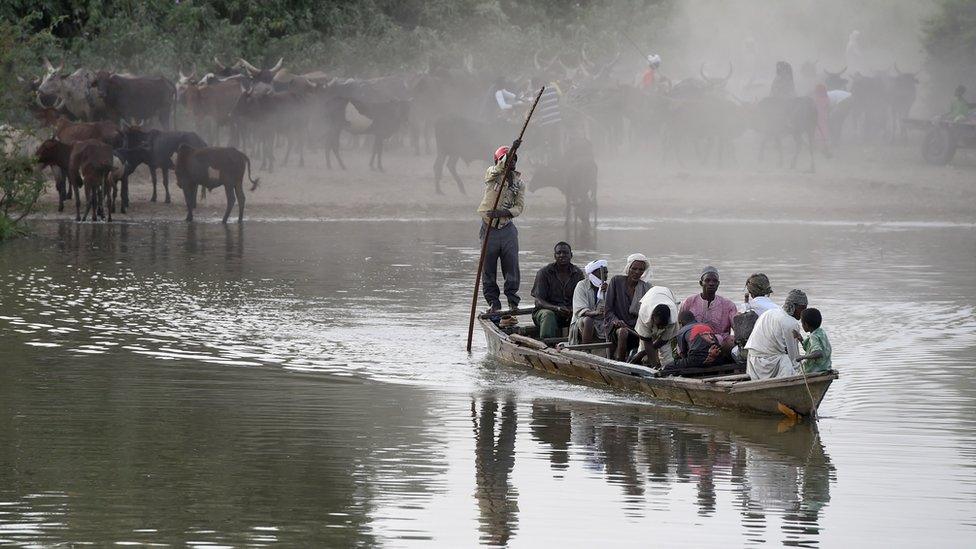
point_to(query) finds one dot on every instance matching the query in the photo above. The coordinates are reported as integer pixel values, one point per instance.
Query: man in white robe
(772, 348)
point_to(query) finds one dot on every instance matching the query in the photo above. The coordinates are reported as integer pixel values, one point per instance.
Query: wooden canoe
(735, 392)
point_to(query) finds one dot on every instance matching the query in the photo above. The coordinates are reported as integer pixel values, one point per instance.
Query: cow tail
(254, 182)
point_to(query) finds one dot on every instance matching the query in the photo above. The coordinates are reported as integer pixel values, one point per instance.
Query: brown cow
(195, 166)
(215, 100)
(70, 132)
(88, 163)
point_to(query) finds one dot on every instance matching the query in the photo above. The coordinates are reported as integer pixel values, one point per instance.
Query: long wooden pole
(484, 242)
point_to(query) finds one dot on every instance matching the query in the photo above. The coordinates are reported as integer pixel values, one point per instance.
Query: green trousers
(549, 323)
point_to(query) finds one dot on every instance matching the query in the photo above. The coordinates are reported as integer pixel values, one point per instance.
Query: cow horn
(220, 65)
(249, 67)
(61, 64)
(183, 76)
(585, 58)
(277, 66)
(47, 65)
(535, 59)
(59, 104)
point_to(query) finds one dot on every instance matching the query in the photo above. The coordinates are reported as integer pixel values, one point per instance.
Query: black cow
(386, 118)
(268, 113)
(155, 149)
(903, 91)
(458, 138)
(575, 175)
(778, 117)
(138, 98)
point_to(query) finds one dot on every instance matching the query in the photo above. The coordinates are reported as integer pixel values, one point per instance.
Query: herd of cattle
(101, 121)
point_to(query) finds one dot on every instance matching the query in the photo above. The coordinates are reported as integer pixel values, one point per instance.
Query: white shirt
(772, 348)
(836, 96)
(760, 304)
(502, 97)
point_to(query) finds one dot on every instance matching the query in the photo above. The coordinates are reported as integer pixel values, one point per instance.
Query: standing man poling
(503, 239)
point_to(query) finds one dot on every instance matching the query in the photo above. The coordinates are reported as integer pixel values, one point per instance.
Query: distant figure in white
(854, 54)
(772, 348)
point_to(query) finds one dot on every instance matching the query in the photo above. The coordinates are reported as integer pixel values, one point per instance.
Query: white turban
(592, 267)
(646, 277)
(653, 60)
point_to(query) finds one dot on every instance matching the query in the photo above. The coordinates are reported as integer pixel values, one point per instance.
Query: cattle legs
(190, 195)
(377, 154)
(234, 193)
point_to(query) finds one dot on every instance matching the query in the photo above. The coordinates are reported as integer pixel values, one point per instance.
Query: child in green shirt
(816, 347)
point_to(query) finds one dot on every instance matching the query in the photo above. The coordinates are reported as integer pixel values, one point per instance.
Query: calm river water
(305, 384)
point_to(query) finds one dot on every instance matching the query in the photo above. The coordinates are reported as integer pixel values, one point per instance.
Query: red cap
(500, 152)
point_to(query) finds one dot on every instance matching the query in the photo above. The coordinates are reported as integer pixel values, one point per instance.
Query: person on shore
(589, 305)
(711, 308)
(960, 109)
(553, 291)
(772, 346)
(624, 294)
(503, 240)
(657, 326)
(816, 346)
(757, 294)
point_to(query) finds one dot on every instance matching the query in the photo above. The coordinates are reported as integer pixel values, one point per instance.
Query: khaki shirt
(512, 199)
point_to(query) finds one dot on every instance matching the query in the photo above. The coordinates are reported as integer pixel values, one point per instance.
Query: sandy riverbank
(871, 185)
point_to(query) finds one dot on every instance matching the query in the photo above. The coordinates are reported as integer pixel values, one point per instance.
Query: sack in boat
(742, 325)
(508, 321)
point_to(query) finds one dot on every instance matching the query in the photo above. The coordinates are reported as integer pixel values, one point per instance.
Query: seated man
(758, 290)
(959, 108)
(589, 305)
(624, 293)
(553, 292)
(657, 326)
(712, 309)
(772, 347)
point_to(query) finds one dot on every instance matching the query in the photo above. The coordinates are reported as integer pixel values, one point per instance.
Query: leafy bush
(949, 38)
(21, 184)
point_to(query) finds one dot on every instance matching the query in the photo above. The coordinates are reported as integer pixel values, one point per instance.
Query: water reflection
(494, 460)
(769, 469)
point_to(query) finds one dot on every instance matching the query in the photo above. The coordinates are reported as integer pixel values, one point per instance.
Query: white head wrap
(592, 267)
(654, 60)
(646, 277)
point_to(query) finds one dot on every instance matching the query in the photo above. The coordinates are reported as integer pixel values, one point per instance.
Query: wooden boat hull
(767, 396)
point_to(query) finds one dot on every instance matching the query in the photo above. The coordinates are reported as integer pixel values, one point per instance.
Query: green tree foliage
(346, 36)
(949, 39)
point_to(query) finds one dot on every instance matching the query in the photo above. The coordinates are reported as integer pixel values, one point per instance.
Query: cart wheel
(939, 146)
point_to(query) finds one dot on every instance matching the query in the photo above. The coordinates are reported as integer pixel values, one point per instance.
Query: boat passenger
(772, 346)
(553, 292)
(657, 325)
(698, 346)
(624, 294)
(816, 347)
(757, 294)
(710, 308)
(589, 304)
